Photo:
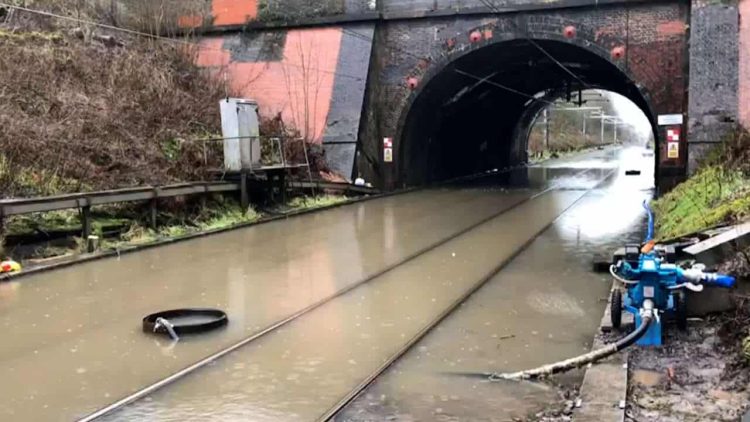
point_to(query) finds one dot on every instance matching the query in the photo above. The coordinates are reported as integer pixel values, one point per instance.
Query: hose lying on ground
(577, 362)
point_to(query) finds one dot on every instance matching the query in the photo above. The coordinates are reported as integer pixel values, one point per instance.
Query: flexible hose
(579, 361)
(613, 271)
(650, 233)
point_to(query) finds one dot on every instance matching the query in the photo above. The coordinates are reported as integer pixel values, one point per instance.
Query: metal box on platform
(239, 126)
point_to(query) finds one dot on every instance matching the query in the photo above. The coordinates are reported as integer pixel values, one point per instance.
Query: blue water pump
(655, 286)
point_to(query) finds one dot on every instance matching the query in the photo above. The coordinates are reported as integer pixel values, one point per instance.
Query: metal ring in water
(210, 319)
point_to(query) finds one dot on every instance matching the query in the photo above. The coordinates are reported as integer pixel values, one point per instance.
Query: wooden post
(2, 232)
(282, 185)
(92, 244)
(86, 221)
(244, 197)
(153, 213)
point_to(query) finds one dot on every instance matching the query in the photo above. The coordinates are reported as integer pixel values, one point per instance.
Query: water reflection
(81, 324)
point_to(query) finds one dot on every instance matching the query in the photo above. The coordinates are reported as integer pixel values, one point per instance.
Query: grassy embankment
(85, 111)
(718, 193)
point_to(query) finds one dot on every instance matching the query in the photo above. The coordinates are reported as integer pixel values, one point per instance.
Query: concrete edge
(604, 388)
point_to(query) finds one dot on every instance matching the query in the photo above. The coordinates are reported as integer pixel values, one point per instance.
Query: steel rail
(205, 361)
(332, 412)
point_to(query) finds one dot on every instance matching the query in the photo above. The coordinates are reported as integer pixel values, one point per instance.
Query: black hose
(636, 335)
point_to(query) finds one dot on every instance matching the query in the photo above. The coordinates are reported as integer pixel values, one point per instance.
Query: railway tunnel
(475, 112)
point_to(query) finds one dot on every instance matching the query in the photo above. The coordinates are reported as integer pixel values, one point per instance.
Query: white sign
(673, 135)
(670, 119)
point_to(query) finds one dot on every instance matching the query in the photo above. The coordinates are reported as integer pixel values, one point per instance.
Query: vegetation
(86, 112)
(566, 130)
(306, 202)
(718, 193)
(127, 226)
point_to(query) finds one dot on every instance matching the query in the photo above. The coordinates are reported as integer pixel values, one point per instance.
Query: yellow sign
(388, 155)
(673, 150)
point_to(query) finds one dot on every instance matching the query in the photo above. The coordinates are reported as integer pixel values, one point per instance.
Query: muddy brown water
(543, 307)
(73, 342)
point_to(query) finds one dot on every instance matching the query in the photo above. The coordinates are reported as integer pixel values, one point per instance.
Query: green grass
(221, 213)
(229, 217)
(56, 221)
(305, 202)
(711, 197)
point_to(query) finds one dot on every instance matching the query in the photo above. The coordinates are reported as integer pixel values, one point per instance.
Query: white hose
(612, 271)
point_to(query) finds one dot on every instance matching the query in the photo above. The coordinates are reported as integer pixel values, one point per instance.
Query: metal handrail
(9, 207)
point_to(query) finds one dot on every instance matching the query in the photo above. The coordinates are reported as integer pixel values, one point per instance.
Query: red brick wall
(744, 77)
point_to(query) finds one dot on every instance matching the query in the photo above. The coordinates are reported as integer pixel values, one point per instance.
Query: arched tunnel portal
(473, 113)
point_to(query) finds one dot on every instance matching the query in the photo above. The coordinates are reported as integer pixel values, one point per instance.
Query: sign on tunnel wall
(388, 150)
(673, 143)
(671, 130)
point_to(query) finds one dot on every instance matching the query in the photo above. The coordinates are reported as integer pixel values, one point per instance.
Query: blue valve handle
(719, 280)
(708, 279)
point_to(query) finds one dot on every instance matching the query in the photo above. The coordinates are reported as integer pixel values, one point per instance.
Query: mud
(699, 375)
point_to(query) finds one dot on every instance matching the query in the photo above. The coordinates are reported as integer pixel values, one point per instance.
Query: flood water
(73, 342)
(543, 307)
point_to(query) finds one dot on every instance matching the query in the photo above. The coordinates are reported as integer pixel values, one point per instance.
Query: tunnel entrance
(476, 112)
(589, 119)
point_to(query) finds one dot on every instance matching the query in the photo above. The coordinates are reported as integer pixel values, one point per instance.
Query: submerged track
(339, 407)
(144, 392)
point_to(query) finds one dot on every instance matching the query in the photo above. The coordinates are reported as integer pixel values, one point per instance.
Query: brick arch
(588, 40)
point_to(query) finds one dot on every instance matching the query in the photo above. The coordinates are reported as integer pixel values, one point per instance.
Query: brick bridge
(450, 82)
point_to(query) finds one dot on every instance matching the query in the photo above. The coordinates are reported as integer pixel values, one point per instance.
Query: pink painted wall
(744, 79)
(299, 86)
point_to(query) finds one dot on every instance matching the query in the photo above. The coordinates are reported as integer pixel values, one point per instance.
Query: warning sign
(673, 135)
(673, 150)
(388, 150)
(388, 155)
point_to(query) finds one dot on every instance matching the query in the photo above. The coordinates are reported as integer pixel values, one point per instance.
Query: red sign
(673, 135)
(387, 142)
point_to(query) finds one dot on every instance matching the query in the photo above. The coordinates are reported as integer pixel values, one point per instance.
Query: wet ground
(699, 375)
(77, 346)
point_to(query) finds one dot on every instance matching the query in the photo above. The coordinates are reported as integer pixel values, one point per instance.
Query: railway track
(341, 405)
(150, 389)
(346, 399)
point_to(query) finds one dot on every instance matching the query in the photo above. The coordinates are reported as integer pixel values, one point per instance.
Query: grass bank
(718, 193)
